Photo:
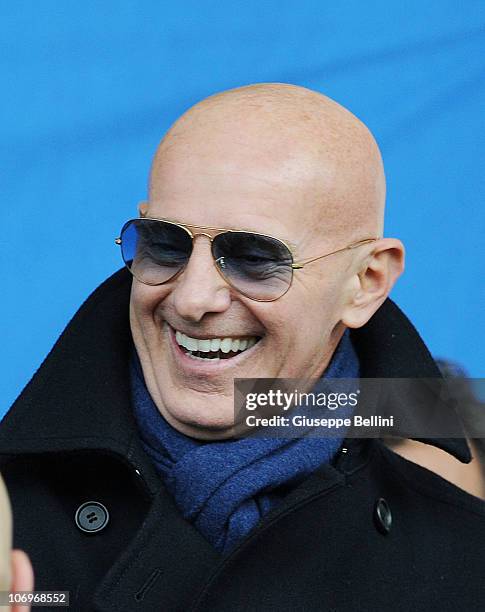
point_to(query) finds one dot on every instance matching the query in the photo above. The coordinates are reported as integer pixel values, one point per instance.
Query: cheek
(286, 323)
(144, 304)
(145, 300)
(309, 320)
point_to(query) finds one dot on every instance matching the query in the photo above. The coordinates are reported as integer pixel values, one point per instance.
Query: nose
(200, 289)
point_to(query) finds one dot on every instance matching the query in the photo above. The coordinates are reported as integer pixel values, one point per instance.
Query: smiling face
(270, 159)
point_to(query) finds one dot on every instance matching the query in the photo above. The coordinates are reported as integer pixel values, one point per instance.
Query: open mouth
(214, 349)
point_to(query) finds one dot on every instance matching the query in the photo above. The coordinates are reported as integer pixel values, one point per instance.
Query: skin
(280, 160)
(5, 538)
(16, 572)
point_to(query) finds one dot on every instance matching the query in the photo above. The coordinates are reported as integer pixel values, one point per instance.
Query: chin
(206, 421)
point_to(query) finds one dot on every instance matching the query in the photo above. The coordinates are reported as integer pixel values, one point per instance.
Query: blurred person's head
(15, 568)
(282, 161)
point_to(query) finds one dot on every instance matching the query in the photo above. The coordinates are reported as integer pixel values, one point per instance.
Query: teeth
(215, 344)
(204, 345)
(192, 344)
(225, 345)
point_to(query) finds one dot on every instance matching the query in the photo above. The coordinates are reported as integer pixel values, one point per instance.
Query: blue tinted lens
(154, 251)
(258, 266)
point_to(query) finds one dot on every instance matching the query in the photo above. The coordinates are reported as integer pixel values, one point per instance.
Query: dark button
(92, 517)
(383, 516)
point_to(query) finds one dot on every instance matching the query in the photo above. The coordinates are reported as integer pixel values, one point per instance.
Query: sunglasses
(260, 267)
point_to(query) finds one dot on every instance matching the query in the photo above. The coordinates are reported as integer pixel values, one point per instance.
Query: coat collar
(79, 399)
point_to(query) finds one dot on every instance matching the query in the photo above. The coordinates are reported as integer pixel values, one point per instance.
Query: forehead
(261, 184)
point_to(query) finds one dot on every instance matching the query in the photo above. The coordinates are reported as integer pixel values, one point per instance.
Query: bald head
(276, 160)
(278, 132)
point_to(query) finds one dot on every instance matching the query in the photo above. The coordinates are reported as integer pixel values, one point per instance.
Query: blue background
(89, 88)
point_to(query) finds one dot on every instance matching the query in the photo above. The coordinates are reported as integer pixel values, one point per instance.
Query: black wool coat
(370, 532)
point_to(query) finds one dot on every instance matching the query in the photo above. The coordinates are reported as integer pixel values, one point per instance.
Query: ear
(143, 208)
(22, 577)
(373, 281)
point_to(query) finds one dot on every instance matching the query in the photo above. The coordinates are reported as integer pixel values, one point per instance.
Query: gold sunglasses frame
(216, 231)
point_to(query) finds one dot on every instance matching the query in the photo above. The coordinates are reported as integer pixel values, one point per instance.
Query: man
(15, 568)
(258, 254)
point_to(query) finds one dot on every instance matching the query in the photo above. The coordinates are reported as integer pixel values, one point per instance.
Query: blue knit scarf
(225, 488)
